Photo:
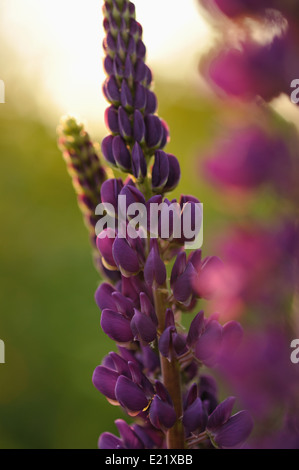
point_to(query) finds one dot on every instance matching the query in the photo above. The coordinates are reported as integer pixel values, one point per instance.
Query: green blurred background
(49, 321)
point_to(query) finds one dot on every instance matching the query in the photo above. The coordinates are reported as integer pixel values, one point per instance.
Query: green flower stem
(170, 376)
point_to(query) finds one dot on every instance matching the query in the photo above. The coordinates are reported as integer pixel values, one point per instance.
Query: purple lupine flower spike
(152, 376)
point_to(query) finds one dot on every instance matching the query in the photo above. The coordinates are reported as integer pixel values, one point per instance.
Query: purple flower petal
(196, 328)
(123, 304)
(124, 123)
(192, 395)
(182, 288)
(131, 287)
(195, 258)
(129, 395)
(138, 126)
(160, 172)
(208, 384)
(140, 97)
(121, 153)
(110, 190)
(166, 134)
(161, 414)
(125, 93)
(104, 244)
(131, 47)
(154, 130)
(112, 90)
(133, 195)
(195, 417)
(178, 267)
(127, 355)
(140, 70)
(231, 338)
(154, 269)
(103, 296)
(204, 280)
(151, 360)
(143, 327)
(104, 380)
(129, 437)
(210, 341)
(128, 74)
(107, 149)
(120, 364)
(121, 46)
(151, 102)
(116, 326)
(148, 80)
(109, 441)
(165, 341)
(138, 162)
(221, 414)
(125, 257)
(147, 308)
(235, 431)
(174, 174)
(169, 318)
(108, 65)
(162, 392)
(208, 392)
(179, 343)
(146, 436)
(111, 44)
(140, 48)
(111, 121)
(135, 372)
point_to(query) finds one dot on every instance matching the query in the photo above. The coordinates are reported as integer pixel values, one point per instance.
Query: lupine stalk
(143, 132)
(170, 371)
(155, 376)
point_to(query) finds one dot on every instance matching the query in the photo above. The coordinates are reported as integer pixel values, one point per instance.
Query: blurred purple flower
(249, 159)
(261, 373)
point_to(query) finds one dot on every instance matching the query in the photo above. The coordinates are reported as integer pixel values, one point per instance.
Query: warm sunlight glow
(59, 46)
